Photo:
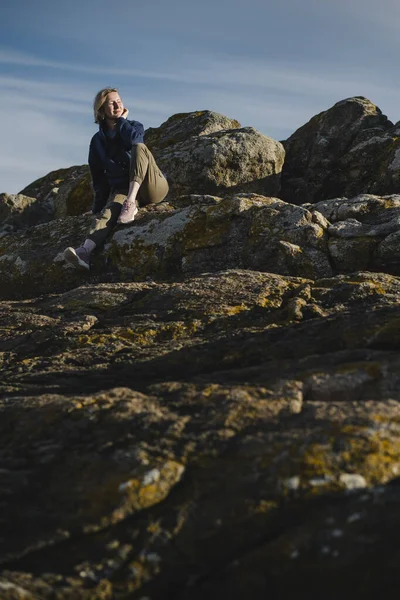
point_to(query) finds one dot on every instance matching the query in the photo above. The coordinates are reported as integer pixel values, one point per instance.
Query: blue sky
(271, 64)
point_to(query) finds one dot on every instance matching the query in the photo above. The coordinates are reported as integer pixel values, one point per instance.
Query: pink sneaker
(128, 211)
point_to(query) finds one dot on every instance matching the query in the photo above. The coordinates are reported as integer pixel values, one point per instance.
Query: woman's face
(113, 107)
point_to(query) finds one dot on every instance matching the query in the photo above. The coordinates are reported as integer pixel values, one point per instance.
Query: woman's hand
(125, 113)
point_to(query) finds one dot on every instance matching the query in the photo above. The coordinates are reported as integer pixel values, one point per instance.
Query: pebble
(353, 481)
(151, 477)
(354, 517)
(291, 483)
(317, 481)
(337, 533)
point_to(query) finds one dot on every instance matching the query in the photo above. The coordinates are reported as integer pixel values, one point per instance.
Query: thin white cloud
(11, 57)
(209, 70)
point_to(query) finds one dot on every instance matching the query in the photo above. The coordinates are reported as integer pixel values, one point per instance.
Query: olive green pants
(153, 189)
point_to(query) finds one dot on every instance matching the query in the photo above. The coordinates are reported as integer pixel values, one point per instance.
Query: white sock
(89, 246)
(133, 190)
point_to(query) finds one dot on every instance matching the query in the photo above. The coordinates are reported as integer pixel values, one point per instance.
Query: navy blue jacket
(109, 159)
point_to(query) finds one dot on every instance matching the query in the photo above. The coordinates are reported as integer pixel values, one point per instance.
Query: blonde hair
(99, 101)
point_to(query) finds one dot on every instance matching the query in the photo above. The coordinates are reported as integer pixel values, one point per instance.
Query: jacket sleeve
(131, 132)
(101, 186)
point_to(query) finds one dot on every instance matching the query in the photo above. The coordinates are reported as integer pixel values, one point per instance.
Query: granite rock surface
(182, 126)
(349, 149)
(233, 434)
(204, 233)
(213, 410)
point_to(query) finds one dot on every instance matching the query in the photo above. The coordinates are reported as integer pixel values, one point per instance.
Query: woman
(124, 173)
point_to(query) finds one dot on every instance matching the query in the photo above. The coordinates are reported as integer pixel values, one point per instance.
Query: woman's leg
(107, 219)
(101, 229)
(147, 183)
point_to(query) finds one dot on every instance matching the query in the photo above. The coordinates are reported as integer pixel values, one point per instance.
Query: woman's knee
(106, 215)
(139, 147)
(109, 216)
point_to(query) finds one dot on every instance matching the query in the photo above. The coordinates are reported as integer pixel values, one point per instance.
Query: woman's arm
(131, 132)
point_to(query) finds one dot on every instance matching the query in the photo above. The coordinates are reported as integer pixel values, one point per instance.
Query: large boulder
(200, 152)
(18, 211)
(207, 234)
(364, 232)
(61, 193)
(43, 187)
(224, 162)
(372, 165)
(349, 149)
(182, 126)
(246, 231)
(31, 261)
(75, 195)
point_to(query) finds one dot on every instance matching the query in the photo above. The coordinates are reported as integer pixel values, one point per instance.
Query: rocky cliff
(212, 411)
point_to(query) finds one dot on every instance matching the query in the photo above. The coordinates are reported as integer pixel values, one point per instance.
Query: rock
(18, 211)
(211, 411)
(229, 161)
(10, 591)
(388, 251)
(41, 188)
(182, 126)
(231, 407)
(60, 194)
(11, 204)
(353, 481)
(363, 232)
(32, 262)
(207, 233)
(247, 231)
(75, 196)
(347, 150)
